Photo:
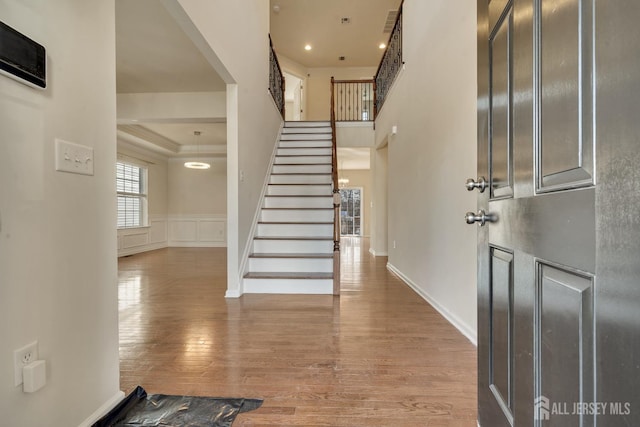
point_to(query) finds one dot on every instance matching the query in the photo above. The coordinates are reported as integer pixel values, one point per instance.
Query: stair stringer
(242, 270)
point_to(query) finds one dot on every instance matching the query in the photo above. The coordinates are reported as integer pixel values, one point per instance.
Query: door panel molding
(502, 330)
(564, 94)
(564, 334)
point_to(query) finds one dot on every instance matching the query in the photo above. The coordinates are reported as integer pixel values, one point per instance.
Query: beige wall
(360, 178)
(57, 231)
(433, 105)
(319, 87)
(197, 192)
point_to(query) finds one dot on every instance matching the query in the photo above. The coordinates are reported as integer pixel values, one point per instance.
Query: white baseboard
(177, 244)
(103, 410)
(140, 249)
(452, 318)
(232, 293)
(374, 253)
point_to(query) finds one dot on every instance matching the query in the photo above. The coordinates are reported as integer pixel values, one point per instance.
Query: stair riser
(298, 202)
(296, 215)
(295, 230)
(300, 179)
(307, 130)
(304, 151)
(301, 169)
(298, 144)
(297, 190)
(303, 160)
(305, 137)
(288, 286)
(291, 265)
(306, 124)
(293, 246)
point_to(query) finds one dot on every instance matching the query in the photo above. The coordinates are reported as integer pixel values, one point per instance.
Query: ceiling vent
(345, 21)
(341, 58)
(390, 22)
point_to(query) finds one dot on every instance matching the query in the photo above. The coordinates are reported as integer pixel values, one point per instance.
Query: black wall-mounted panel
(22, 58)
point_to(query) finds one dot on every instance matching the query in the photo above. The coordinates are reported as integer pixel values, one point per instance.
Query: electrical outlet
(21, 358)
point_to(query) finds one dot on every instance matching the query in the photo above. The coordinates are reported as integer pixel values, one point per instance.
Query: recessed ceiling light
(382, 46)
(307, 47)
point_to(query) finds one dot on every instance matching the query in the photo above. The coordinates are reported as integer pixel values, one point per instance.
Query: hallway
(377, 356)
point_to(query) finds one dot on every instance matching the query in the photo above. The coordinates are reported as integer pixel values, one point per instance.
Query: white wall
(379, 218)
(197, 204)
(237, 33)
(197, 192)
(433, 104)
(57, 230)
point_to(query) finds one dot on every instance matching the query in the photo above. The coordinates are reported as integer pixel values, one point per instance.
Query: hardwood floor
(377, 356)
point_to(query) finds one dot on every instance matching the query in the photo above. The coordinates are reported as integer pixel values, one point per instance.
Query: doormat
(141, 410)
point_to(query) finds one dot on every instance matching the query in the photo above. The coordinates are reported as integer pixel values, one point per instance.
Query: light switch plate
(74, 158)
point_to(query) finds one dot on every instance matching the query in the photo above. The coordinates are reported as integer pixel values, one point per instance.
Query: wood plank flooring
(377, 356)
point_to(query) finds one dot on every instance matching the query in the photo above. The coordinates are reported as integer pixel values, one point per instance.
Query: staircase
(293, 242)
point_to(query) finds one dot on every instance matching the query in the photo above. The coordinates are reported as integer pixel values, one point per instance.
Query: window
(131, 185)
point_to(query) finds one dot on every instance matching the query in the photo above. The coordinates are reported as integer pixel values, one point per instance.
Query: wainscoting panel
(135, 240)
(197, 231)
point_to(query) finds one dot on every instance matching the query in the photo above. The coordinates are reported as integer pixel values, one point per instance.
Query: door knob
(480, 217)
(481, 184)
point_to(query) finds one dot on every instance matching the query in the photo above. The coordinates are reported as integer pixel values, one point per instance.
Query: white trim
(356, 124)
(189, 231)
(103, 410)
(374, 253)
(256, 218)
(452, 318)
(232, 293)
(128, 245)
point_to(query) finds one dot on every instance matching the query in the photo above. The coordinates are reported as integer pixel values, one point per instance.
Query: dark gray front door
(559, 251)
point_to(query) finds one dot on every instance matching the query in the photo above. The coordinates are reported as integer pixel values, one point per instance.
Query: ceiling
(295, 23)
(153, 54)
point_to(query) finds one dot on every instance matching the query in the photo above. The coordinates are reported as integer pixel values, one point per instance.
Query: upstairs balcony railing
(276, 79)
(353, 100)
(390, 64)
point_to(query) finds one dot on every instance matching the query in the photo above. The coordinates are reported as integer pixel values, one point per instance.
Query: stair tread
(297, 148)
(303, 155)
(293, 238)
(302, 164)
(300, 209)
(296, 222)
(300, 173)
(291, 255)
(285, 275)
(300, 183)
(298, 195)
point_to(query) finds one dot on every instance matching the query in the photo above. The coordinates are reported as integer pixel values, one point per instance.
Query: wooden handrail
(336, 197)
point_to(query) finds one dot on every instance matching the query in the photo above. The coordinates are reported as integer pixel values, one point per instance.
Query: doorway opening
(351, 212)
